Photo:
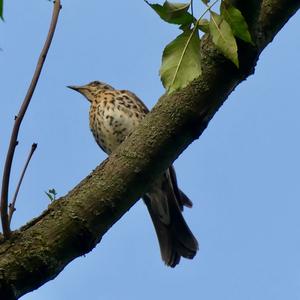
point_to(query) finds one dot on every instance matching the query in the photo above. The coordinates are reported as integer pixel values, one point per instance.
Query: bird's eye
(94, 83)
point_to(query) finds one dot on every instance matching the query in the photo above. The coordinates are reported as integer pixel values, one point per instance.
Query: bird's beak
(80, 89)
(74, 87)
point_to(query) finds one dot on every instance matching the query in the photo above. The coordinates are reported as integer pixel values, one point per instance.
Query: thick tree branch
(273, 15)
(74, 224)
(18, 120)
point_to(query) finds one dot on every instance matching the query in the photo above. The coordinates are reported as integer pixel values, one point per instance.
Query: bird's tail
(165, 202)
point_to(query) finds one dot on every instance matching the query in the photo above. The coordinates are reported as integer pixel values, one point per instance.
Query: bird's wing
(137, 100)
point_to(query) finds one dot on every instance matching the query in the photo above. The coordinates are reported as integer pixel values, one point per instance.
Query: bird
(113, 115)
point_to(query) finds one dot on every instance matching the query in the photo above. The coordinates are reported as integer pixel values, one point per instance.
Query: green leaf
(203, 25)
(181, 61)
(223, 37)
(51, 194)
(174, 13)
(1, 10)
(236, 21)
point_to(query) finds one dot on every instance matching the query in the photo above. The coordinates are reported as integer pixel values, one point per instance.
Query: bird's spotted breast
(113, 116)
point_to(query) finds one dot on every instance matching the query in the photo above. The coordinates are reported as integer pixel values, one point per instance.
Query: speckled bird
(114, 114)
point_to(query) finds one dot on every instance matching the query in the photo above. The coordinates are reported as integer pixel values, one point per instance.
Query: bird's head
(92, 89)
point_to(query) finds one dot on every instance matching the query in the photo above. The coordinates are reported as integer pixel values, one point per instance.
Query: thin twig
(208, 8)
(12, 205)
(19, 118)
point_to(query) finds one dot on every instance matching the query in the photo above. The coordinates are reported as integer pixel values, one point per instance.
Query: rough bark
(74, 224)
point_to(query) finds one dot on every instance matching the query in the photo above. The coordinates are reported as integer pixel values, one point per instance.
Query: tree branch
(18, 120)
(272, 18)
(75, 223)
(14, 199)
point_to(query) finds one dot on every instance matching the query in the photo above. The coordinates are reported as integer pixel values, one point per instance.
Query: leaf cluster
(181, 60)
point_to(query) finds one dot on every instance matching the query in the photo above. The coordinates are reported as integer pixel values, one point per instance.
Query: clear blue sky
(242, 174)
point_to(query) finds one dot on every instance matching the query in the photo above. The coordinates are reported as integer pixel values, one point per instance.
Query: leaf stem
(192, 8)
(208, 8)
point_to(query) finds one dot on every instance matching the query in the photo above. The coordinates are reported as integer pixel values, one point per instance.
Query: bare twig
(14, 199)
(19, 118)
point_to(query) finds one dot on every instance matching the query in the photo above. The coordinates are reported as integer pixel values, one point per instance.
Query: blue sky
(242, 174)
